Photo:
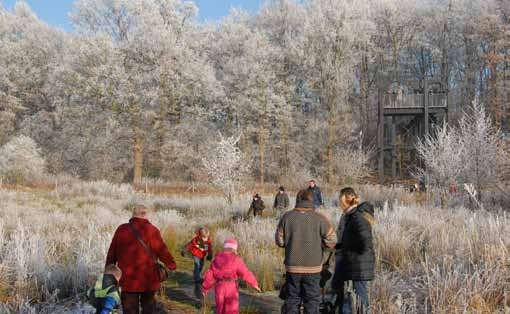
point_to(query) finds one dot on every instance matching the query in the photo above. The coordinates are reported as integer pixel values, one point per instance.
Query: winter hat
(230, 243)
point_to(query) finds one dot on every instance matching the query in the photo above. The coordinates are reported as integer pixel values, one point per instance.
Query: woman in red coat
(140, 279)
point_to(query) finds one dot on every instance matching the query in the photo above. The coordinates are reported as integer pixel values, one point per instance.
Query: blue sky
(54, 12)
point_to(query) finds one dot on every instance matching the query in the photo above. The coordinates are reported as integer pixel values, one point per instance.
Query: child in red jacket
(200, 248)
(223, 274)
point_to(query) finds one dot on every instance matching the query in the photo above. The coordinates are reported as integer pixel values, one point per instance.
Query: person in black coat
(354, 255)
(257, 206)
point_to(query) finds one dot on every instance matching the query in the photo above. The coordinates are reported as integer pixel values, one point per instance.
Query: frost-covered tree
(483, 156)
(442, 154)
(334, 32)
(398, 27)
(130, 93)
(225, 166)
(125, 88)
(20, 160)
(471, 153)
(281, 22)
(178, 153)
(250, 82)
(29, 51)
(150, 64)
(8, 116)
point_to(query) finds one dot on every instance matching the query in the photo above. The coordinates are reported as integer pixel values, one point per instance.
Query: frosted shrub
(442, 153)
(224, 164)
(21, 160)
(471, 153)
(352, 165)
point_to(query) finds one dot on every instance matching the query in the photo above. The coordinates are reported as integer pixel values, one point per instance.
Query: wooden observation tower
(406, 112)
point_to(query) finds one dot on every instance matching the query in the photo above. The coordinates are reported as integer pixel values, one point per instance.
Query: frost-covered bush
(471, 153)
(441, 153)
(352, 165)
(224, 164)
(21, 160)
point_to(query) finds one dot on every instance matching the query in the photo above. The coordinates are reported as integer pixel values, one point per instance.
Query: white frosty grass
(442, 261)
(202, 210)
(429, 260)
(257, 248)
(52, 247)
(94, 188)
(27, 308)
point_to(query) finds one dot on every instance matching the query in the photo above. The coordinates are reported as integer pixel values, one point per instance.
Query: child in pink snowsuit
(225, 270)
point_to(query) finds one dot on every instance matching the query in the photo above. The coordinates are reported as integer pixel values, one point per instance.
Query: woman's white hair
(140, 210)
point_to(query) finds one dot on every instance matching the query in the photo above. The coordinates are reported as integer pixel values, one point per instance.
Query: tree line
(142, 88)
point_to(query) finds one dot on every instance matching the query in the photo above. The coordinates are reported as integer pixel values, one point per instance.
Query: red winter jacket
(139, 274)
(199, 247)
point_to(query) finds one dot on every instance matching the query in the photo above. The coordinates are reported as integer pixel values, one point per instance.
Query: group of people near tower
(281, 202)
(133, 275)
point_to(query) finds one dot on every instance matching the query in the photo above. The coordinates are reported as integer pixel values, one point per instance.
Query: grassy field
(430, 260)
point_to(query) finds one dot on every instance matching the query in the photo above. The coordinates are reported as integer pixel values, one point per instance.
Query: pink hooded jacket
(225, 269)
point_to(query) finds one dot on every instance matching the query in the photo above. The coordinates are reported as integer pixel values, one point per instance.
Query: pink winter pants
(227, 297)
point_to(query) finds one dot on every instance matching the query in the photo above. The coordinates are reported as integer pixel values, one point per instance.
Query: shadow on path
(182, 290)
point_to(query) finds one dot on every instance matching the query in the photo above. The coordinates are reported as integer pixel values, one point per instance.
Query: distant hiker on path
(281, 201)
(200, 248)
(354, 256)
(303, 232)
(257, 206)
(140, 276)
(317, 194)
(223, 274)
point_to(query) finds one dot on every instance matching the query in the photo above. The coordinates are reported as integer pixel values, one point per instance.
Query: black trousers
(302, 289)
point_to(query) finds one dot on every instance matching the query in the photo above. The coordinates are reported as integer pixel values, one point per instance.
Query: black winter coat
(355, 256)
(256, 207)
